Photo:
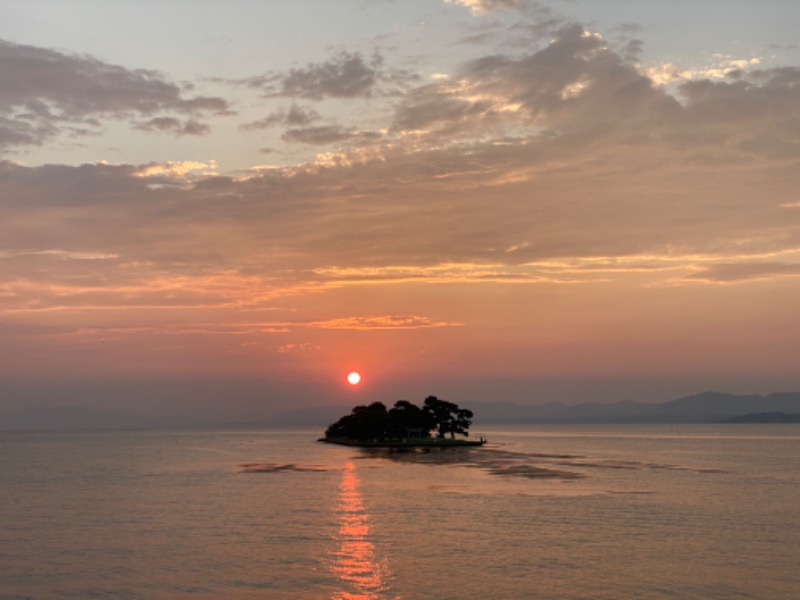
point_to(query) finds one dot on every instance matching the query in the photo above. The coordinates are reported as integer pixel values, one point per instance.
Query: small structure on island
(405, 425)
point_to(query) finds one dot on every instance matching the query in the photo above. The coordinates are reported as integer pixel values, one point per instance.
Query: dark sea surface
(546, 512)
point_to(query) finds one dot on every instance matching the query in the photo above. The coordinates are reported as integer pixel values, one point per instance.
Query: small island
(405, 425)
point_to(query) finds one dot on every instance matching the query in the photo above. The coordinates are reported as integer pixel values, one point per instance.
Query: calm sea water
(541, 512)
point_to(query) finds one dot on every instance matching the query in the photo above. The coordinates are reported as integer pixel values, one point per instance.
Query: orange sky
(554, 217)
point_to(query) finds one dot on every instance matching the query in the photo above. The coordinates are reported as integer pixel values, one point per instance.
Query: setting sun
(354, 378)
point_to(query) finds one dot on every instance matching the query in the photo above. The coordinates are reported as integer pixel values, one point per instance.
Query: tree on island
(363, 423)
(403, 421)
(448, 417)
(410, 421)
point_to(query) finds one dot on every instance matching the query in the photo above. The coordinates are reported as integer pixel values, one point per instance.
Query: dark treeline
(404, 420)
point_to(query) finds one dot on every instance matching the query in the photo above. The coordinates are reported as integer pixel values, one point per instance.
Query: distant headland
(405, 425)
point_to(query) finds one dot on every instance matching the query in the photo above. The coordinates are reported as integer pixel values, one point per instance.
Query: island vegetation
(436, 423)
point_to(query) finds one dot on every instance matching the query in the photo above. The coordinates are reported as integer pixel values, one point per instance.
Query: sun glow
(354, 378)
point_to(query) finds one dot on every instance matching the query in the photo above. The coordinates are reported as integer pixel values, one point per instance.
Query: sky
(221, 208)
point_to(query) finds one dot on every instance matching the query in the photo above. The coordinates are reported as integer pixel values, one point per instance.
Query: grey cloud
(608, 88)
(625, 170)
(626, 35)
(435, 105)
(297, 116)
(631, 50)
(579, 86)
(23, 130)
(173, 125)
(346, 75)
(549, 198)
(267, 122)
(750, 113)
(758, 94)
(327, 134)
(45, 92)
(576, 83)
(294, 116)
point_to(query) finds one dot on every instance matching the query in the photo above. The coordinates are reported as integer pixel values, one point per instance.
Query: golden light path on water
(355, 561)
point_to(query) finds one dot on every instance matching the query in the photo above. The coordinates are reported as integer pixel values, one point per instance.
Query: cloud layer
(46, 93)
(542, 201)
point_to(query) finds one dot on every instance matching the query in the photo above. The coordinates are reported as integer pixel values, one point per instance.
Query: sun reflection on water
(355, 561)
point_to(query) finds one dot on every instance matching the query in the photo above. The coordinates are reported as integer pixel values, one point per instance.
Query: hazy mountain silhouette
(708, 407)
(767, 417)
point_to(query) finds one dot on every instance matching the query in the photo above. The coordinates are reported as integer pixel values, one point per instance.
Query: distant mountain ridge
(767, 417)
(707, 407)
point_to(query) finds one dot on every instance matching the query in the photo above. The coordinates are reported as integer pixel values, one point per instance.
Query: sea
(550, 512)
